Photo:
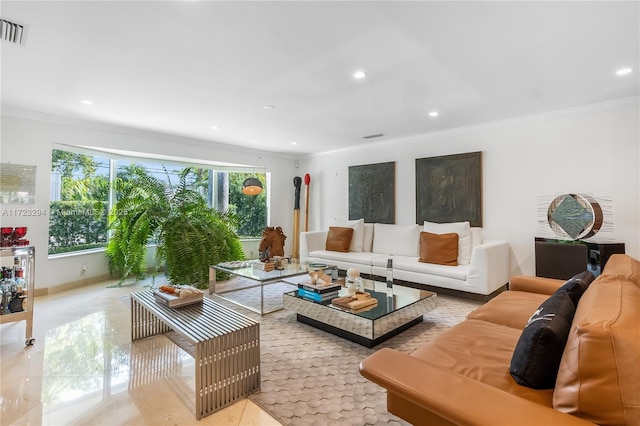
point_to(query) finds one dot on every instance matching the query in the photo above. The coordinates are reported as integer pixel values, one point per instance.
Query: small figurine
(324, 278)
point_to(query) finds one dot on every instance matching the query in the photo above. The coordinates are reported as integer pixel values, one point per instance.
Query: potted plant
(190, 235)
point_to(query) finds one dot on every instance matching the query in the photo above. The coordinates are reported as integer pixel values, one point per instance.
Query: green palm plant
(190, 235)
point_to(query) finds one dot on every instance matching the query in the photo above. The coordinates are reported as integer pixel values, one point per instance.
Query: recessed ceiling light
(86, 102)
(359, 74)
(214, 127)
(623, 71)
(294, 143)
(433, 114)
(269, 107)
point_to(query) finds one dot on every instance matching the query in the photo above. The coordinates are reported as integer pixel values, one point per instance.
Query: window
(79, 202)
(80, 185)
(251, 210)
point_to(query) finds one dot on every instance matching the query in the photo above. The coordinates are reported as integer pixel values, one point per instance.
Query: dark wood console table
(563, 259)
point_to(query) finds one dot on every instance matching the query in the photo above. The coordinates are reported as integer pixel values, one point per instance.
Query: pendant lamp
(252, 185)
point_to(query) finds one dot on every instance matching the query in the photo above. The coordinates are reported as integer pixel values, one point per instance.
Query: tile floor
(84, 370)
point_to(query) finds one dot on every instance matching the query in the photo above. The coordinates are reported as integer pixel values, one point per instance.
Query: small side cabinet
(562, 259)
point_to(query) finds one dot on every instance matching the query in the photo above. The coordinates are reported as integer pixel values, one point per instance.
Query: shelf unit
(26, 258)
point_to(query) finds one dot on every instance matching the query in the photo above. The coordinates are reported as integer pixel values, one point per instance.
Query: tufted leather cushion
(339, 239)
(441, 249)
(599, 376)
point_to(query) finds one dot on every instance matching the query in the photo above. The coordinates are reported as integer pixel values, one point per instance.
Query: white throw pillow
(463, 229)
(358, 232)
(399, 240)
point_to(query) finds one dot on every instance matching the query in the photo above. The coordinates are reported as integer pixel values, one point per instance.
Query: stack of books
(264, 266)
(318, 293)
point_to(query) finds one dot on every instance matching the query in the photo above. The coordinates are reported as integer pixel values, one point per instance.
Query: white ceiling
(179, 67)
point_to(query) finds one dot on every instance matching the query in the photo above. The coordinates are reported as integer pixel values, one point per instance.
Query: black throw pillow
(577, 285)
(537, 355)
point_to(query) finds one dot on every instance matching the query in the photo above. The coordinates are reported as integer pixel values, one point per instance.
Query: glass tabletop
(251, 269)
(389, 300)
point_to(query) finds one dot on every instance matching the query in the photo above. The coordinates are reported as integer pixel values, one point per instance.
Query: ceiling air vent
(13, 32)
(377, 135)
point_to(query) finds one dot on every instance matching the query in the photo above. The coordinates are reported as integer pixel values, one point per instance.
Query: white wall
(30, 141)
(592, 150)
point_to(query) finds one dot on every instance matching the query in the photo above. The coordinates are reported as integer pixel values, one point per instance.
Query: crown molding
(142, 133)
(623, 103)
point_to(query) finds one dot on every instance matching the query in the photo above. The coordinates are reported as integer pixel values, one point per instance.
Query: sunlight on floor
(84, 370)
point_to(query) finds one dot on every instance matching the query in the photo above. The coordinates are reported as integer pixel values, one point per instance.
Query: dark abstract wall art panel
(449, 188)
(372, 192)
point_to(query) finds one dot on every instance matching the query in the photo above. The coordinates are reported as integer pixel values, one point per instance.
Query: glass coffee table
(254, 278)
(398, 309)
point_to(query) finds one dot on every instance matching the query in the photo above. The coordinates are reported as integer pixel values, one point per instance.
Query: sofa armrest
(489, 266)
(310, 241)
(534, 284)
(456, 398)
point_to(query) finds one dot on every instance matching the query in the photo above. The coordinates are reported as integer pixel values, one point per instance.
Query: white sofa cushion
(358, 232)
(412, 264)
(357, 258)
(401, 240)
(463, 229)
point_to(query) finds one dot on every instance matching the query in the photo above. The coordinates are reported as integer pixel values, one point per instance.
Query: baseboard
(71, 285)
(81, 283)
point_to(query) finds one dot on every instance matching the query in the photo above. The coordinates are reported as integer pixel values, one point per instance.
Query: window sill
(76, 253)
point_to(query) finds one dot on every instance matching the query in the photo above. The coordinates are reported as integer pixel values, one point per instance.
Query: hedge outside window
(79, 202)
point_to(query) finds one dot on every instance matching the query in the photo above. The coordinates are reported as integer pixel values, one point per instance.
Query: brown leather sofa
(462, 376)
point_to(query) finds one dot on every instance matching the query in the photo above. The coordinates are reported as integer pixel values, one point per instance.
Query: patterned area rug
(310, 377)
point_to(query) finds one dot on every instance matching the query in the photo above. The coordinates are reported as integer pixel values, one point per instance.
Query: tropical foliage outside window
(79, 202)
(80, 196)
(251, 210)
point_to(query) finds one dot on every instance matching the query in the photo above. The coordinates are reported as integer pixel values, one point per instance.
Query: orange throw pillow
(441, 249)
(339, 239)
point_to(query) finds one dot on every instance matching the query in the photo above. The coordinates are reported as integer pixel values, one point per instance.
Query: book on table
(264, 266)
(317, 297)
(320, 289)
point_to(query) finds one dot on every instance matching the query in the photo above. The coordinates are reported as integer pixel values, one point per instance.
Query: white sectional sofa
(483, 270)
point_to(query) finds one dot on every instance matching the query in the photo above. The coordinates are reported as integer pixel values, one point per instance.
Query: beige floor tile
(84, 370)
(254, 415)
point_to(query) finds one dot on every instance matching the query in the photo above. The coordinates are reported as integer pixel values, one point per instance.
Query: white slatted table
(224, 344)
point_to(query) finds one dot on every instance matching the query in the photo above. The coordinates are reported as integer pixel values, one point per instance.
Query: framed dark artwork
(372, 192)
(449, 189)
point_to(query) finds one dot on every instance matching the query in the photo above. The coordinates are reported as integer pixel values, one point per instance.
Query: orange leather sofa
(462, 376)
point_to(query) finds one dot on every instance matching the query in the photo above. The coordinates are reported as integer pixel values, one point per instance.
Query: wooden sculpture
(272, 241)
(297, 181)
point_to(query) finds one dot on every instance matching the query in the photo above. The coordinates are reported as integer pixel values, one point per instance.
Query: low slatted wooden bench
(224, 344)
